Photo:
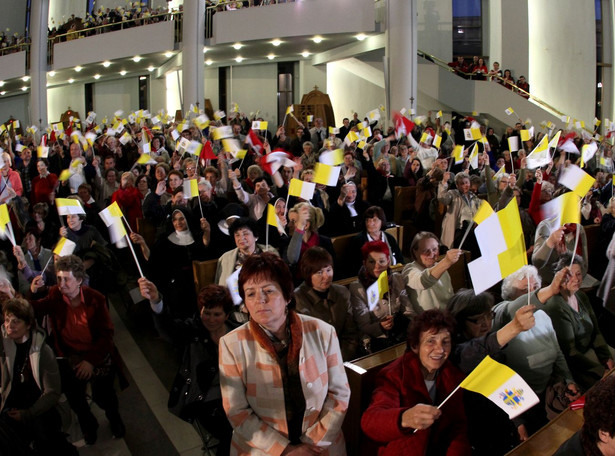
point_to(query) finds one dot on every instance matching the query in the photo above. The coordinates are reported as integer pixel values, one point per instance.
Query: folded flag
(301, 189)
(563, 209)
(474, 156)
(568, 144)
(403, 125)
(326, 175)
(64, 247)
(207, 152)
(588, 151)
(254, 141)
(4, 218)
(377, 290)
(111, 213)
(502, 386)
(513, 143)
(291, 109)
(555, 140)
(64, 175)
(68, 206)
(332, 157)
(500, 171)
(275, 160)
(351, 137)
(540, 156)
(272, 218)
(576, 180)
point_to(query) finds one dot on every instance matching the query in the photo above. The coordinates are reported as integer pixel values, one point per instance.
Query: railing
(441, 63)
(175, 16)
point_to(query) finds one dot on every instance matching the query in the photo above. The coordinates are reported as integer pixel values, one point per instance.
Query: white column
(193, 39)
(38, 63)
(401, 61)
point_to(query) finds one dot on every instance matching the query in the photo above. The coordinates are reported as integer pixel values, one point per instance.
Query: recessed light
(78, 68)
(205, 49)
(137, 58)
(71, 80)
(271, 56)
(317, 39)
(106, 64)
(1, 83)
(142, 78)
(305, 54)
(276, 42)
(361, 36)
(237, 46)
(3, 92)
(123, 72)
(208, 62)
(168, 54)
(97, 76)
(151, 68)
(25, 78)
(24, 88)
(51, 74)
(238, 59)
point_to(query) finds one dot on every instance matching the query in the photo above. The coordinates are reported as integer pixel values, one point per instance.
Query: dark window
(467, 28)
(144, 92)
(285, 88)
(222, 98)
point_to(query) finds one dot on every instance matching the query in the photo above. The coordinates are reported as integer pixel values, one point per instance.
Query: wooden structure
(314, 103)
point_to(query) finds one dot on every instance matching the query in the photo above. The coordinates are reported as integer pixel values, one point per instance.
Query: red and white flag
(254, 141)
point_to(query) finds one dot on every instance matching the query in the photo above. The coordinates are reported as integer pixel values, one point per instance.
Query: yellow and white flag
(6, 229)
(272, 218)
(540, 156)
(474, 156)
(513, 143)
(301, 189)
(458, 154)
(222, 132)
(64, 247)
(502, 386)
(563, 209)
(502, 245)
(576, 180)
(332, 157)
(259, 125)
(191, 188)
(500, 171)
(376, 291)
(145, 159)
(326, 175)
(68, 206)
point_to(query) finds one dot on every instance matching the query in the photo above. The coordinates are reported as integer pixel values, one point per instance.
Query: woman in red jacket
(128, 197)
(402, 415)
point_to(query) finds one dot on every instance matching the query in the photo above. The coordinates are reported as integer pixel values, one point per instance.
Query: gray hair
(506, 175)
(526, 272)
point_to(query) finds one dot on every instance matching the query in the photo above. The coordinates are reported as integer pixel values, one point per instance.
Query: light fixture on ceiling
(208, 62)
(271, 56)
(142, 78)
(361, 36)
(51, 74)
(25, 78)
(137, 58)
(205, 49)
(78, 68)
(238, 59)
(123, 72)
(97, 76)
(1, 83)
(276, 42)
(71, 80)
(3, 92)
(237, 46)
(317, 39)
(24, 88)
(151, 68)
(168, 54)
(106, 64)
(305, 54)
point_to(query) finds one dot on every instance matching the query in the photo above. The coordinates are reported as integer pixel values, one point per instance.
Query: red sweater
(42, 188)
(129, 200)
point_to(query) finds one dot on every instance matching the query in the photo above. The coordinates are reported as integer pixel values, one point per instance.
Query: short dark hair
(430, 320)
(267, 266)
(312, 261)
(377, 211)
(465, 304)
(176, 173)
(21, 309)
(598, 414)
(566, 259)
(243, 222)
(71, 263)
(213, 296)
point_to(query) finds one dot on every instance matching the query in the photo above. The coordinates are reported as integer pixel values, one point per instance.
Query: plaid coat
(253, 391)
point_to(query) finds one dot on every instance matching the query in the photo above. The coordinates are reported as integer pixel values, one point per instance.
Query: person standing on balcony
(525, 86)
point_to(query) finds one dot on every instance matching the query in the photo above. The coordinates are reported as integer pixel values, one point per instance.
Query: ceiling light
(317, 39)
(71, 80)
(271, 56)
(24, 88)
(25, 78)
(137, 58)
(238, 59)
(305, 54)
(168, 54)
(361, 36)
(205, 49)
(276, 42)
(97, 76)
(3, 92)
(51, 74)
(151, 68)
(1, 83)
(237, 46)
(78, 68)
(142, 78)
(208, 62)
(123, 72)
(106, 64)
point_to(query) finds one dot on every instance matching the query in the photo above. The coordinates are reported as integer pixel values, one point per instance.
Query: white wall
(255, 87)
(492, 30)
(59, 99)
(212, 86)
(309, 76)
(109, 96)
(173, 98)
(13, 17)
(351, 93)
(562, 58)
(61, 10)
(435, 25)
(157, 94)
(17, 106)
(514, 30)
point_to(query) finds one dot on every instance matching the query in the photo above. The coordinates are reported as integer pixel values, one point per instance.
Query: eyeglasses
(483, 318)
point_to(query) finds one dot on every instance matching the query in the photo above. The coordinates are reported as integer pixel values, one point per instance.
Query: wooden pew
(341, 243)
(204, 273)
(403, 204)
(362, 374)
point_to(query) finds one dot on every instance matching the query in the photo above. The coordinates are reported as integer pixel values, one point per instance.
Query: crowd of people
(477, 69)
(11, 43)
(275, 324)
